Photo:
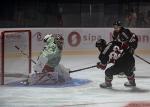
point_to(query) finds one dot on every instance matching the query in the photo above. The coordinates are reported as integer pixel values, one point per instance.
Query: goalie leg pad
(41, 62)
(43, 78)
(63, 73)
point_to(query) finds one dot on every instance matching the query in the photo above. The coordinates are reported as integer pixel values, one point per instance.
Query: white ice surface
(83, 90)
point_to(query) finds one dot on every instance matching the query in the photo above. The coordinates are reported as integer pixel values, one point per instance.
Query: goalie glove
(101, 66)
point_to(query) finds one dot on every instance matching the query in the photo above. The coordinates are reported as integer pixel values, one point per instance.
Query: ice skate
(106, 85)
(134, 69)
(131, 81)
(130, 84)
(25, 82)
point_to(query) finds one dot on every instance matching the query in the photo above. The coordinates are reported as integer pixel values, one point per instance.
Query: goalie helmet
(47, 36)
(101, 43)
(59, 40)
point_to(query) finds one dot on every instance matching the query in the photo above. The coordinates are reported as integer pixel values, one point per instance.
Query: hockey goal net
(14, 65)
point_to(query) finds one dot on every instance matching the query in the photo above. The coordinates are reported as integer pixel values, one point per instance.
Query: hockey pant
(121, 65)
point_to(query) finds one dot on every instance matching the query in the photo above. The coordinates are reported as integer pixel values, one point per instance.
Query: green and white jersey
(52, 52)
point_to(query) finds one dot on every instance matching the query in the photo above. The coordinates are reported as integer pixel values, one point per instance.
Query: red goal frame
(3, 51)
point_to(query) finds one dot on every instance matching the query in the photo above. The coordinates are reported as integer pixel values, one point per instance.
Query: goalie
(47, 70)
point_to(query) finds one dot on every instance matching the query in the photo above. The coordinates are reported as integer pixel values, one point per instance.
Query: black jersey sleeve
(104, 56)
(133, 42)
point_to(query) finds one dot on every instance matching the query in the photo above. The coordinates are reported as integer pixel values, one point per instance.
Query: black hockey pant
(124, 64)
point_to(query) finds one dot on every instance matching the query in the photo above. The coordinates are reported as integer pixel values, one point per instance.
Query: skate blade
(105, 87)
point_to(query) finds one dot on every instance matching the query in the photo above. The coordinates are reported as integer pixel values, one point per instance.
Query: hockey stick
(24, 54)
(82, 69)
(142, 58)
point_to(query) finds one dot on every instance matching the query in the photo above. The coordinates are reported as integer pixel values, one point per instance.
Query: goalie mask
(59, 40)
(100, 44)
(46, 37)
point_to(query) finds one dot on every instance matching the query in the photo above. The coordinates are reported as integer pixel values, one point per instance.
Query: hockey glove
(101, 66)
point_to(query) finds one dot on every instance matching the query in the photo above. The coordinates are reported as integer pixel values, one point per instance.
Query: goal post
(13, 65)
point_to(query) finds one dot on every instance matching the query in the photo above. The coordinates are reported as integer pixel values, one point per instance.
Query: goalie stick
(24, 54)
(40, 63)
(26, 81)
(141, 58)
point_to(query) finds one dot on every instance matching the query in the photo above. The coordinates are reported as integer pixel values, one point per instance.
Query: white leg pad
(38, 67)
(63, 73)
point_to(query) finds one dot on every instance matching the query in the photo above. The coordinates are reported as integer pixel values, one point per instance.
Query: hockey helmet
(47, 36)
(117, 23)
(101, 43)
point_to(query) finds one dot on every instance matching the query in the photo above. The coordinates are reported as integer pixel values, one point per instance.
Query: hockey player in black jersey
(123, 62)
(128, 39)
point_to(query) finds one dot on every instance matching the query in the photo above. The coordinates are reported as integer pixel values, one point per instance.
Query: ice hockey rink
(83, 90)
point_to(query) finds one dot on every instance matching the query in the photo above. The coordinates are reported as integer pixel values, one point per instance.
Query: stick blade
(16, 47)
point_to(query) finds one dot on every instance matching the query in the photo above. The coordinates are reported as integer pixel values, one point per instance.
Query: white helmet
(47, 36)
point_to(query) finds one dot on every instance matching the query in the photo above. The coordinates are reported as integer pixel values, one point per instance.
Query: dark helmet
(100, 43)
(118, 23)
(58, 37)
(59, 40)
